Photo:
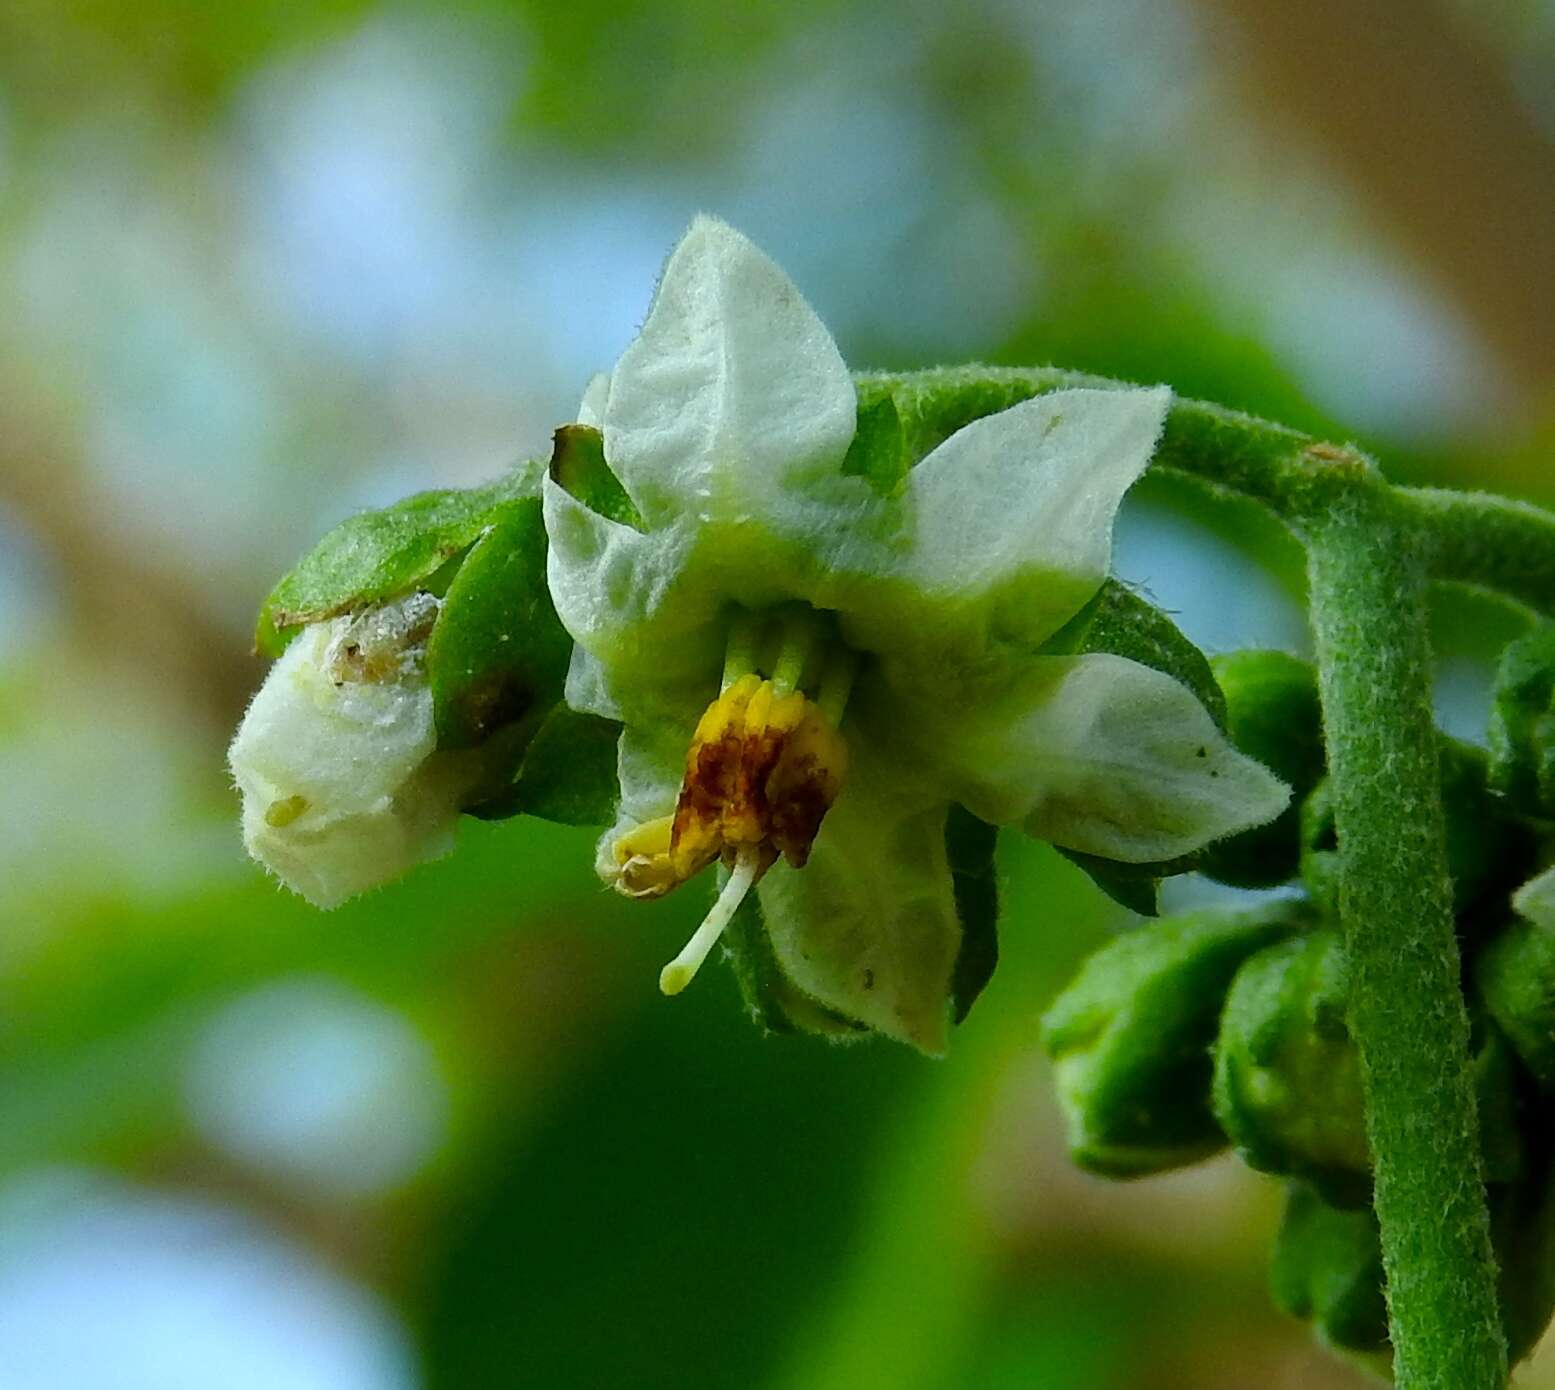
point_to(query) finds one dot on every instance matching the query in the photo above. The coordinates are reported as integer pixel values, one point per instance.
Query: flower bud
(1272, 715)
(1287, 1075)
(1287, 1078)
(342, 787)
(1130, 1038)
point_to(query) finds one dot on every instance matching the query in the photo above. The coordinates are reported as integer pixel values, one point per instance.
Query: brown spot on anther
(761, 772)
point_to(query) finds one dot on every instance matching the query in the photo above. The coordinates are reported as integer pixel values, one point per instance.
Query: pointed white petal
(1100, 754)
(591, 409)
(732, 390)
(868, 927)
(1013, 514)
(629, 598)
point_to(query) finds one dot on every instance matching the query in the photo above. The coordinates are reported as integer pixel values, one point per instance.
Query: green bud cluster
(1229, 1028)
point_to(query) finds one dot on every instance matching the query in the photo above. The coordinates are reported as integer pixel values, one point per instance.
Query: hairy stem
(1493, 542)
(1368, 573)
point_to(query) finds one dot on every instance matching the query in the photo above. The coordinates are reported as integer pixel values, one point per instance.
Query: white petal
(1535, 900)
(1100, 754)
(591, 409)
(868, 927)
(733, 389)
(341, 790)
(1013, 514)
(627, 596)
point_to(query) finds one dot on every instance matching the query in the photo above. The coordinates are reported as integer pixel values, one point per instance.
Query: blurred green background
(264, 264)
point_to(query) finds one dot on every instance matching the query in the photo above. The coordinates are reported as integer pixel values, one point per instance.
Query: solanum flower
(343, 788)
(810, 670)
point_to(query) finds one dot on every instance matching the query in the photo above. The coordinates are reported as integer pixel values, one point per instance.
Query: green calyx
(1131, 1037)
(379, 555)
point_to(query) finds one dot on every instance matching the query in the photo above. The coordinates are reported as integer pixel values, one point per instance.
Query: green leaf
(569, 770)
(1274, 715)
(878, 453)
(378, 555)
(969, 846)
(497, 654)
(1130, 1037)
(1514, 977)
(578, 466)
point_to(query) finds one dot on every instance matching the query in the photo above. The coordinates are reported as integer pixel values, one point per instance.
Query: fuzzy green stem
(1368, 573)
(1493, 542)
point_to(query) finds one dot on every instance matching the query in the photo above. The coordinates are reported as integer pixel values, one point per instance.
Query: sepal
(376, 556)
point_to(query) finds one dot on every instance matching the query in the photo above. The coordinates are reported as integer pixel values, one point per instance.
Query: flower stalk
(1406, 1008)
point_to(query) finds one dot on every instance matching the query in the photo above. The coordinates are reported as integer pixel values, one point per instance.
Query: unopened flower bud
(1130, 1038)
(1287, 1075)
(336, 758)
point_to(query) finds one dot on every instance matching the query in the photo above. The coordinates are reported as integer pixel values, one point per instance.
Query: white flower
(342, 789)
(903, 631)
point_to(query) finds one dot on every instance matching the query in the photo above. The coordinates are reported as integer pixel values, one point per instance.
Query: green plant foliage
(1131, 1036)
(1273, 714)
(569, 770)
(969, 846)
(1514, 974)
(379, 555)
(1522, 723)
(1287, 1078)
(497, 654)
(1327, 1270)
(1288, 1084)
(878, 452)
(1488, 851)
